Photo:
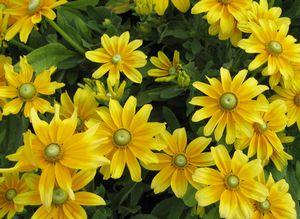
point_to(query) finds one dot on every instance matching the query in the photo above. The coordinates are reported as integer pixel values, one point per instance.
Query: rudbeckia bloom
(273, 46)
(264, 140)
(29, 13)
(179, 161)
(61, 205)
(233, 183)
(229, 104)
(9, 189)
(118, 55)
(161, 5)
(261, 11)
(22, 89)
(291, 96)
(223, 16)
(128, 136)
(56, 149)
(278, 204)
(166, 70)
(85, 104)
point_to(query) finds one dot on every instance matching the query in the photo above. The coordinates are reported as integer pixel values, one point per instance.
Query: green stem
(20, 45)
(75, 45)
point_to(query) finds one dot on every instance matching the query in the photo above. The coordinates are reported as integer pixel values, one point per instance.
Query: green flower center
(180, 160)
(172, 71)
(232, 181)
(116, 59)
(10, 194)
(52, 152)
(33, 5)
(59, 196)
(297, 100)
(261, 128)
(2, 6)
(27, 91)
(264, 206)
(122, 137)
(274, 48)
(228, 101)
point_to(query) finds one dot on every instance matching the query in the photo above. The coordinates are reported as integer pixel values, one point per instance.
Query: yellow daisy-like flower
(264, 140)
(21, 89)
(273, 46)
(162, 5)
(29, 13)
(223, 16)
(105, 93)
(291, 96)
(118, 55)
(179, 161)
(9, 189)
(229, 104)
(261, 11)
(128, 136)
(85, 104)
(61, 205)
(278, 204)
(233, 183)
(166, 70)
(56, 149)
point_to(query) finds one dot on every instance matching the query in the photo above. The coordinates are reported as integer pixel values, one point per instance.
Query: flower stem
(20, 45)
(75, 45)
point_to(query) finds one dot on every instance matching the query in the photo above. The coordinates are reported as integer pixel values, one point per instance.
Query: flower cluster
(100, 125)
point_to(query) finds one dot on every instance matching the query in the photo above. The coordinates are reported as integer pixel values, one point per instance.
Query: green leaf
(82, 4)
(170, 208)
(47, 56)
(189, 197)
(170, 118)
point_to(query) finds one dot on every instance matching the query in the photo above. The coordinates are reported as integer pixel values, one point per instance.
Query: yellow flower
(264, 140)
(61, 205)
(85, 104)
(101, 93)
(273, 46)
(118, 55)
(166, 70)
(291, 96)
(179, 161)
(233, 183)
(161, 5)
(229, 103)
(128, 136)
(22, 89)
(223, 16)
(56, 149)
(261, 11)
(29, 13)
(144, 7)
(279, 203)
(9, 189)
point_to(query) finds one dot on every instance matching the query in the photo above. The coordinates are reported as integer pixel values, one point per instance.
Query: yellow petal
(209, 195)
(46, 185)
(63, 177)
(179, 183)
(162, 180)
(133, 166)
(82, 178)
(228, 204)
(208, 176)
(117, 164)
(221, 158)
(88, 199)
